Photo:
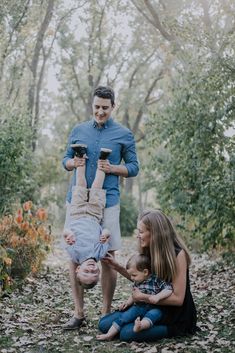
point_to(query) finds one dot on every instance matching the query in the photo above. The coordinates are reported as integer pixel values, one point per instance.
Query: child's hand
(104, 236)
(123, 306)
(69, 237)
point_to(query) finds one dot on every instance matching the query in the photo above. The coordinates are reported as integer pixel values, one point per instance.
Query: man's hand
(105, 166)
(79, 162)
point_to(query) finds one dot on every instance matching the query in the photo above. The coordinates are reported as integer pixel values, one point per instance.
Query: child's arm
(105, 235)
(126, 305)
(155, 298)
(138, 296)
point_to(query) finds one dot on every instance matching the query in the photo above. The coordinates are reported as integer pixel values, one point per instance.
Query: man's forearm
(119, 170)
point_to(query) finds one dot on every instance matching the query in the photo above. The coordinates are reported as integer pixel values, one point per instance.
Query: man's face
(88, 272)
(102, 109)
(136, 275)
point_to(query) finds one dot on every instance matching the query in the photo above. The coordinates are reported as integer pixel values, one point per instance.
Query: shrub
(25, 240)
(17, 164)
(128, 215)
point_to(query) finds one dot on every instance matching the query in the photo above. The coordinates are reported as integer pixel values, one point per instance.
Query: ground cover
(32, 316)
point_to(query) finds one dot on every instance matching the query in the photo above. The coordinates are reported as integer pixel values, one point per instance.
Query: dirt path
(32, 316)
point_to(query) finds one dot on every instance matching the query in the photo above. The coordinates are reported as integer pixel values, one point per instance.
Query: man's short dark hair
(105, 92)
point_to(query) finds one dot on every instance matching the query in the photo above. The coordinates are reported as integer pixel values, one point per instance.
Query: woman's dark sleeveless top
(181, 320)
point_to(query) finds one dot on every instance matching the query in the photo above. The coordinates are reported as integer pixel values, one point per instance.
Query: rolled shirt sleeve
(130, 156)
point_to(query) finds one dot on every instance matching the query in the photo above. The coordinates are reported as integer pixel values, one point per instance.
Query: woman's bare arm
(179, 285)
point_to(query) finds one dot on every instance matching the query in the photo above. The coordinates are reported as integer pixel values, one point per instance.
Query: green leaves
(195, 162)
(16, 163)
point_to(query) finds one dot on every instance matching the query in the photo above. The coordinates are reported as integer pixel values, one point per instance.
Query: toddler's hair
(88, 285)
(140, 261)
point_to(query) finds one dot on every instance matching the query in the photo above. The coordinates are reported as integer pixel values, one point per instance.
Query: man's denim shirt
(111, 135)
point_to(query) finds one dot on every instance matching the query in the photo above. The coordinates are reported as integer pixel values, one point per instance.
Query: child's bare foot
(141, 325)
(137, 325)
(104, 337)
(112, 332)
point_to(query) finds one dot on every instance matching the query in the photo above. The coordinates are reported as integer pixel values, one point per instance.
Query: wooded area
(171, 64)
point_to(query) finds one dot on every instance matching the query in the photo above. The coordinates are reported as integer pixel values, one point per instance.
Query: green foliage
(25, 240)
(195, 157)
(128, 214)
(17, 169)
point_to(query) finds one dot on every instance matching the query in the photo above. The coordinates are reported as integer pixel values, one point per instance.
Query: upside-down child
(142, 314)
(87, 242)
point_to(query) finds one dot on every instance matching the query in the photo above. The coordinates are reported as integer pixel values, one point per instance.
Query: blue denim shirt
(111, 135)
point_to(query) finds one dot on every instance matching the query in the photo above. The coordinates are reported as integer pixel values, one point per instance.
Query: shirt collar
(107, 124)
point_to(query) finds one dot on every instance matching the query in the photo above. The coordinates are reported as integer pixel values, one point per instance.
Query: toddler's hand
(104, 236)
(123, 306)
(69, 237)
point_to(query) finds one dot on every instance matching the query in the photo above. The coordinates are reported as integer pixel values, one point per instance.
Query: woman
(170, 261)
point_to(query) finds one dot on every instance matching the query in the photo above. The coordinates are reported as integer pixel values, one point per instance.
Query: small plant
(25, 240)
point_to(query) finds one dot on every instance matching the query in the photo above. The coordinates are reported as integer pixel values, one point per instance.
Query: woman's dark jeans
(127, 334)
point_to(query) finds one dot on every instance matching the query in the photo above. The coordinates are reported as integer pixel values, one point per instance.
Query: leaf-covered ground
(31, 318)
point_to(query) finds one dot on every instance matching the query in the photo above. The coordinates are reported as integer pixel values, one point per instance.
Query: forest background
(171, 64)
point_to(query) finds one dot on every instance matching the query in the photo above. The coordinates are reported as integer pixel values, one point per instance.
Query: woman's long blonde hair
(163, 241)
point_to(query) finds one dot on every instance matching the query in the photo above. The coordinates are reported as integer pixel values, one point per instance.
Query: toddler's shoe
(104, 153)
(79, 149)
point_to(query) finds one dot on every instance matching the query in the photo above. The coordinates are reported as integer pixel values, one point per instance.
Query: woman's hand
(109, 259)
(138, 296)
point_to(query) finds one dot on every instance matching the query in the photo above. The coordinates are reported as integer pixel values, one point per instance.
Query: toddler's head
(139, 267)
(88, 273)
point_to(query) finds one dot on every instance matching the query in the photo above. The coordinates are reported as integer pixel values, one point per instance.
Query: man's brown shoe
(74, 323)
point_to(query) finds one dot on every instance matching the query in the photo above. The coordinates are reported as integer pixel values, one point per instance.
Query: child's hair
(140, 261)
(163, 244)
(88, 285)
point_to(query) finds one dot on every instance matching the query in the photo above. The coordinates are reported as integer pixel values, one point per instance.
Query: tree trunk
(33, 94)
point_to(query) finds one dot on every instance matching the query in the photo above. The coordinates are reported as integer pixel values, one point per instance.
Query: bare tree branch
(206, 16)
(6, 51)
(141, 109)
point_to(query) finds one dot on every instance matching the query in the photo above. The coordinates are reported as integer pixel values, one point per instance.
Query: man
(101, 132)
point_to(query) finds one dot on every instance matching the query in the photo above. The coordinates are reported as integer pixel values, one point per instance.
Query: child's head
(139, 267)
(88, 273)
